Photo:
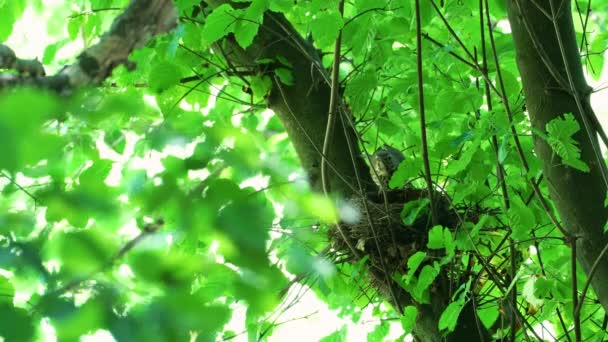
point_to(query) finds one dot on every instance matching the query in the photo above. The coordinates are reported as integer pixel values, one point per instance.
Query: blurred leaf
(436, 238)
(413, 209)
(164, 75)
(7, 291)
(219, 23)
(337, 336)
(408, 320)
(246, 222)
(379, 333)
(51, 51)
(449, 317)
(22, 141)
(521, 219)
(83, 252)
(72, 321)
(285, 76)
(172, 270)
(248, 25)
(597, 60)
(11, 12)
(16, 323)
(325, 27)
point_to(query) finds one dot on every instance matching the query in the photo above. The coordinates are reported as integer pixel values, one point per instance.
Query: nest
(381, 236)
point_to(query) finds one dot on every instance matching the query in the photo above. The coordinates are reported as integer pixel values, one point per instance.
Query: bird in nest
(385, 162)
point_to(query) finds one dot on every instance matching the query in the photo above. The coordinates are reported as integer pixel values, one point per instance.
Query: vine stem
(425, 150)
(329, 129)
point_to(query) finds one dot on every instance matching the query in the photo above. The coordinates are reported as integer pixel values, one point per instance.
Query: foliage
(159, 203)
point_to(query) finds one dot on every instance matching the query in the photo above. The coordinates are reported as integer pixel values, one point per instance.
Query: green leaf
(408, 320)
(459, 101)
(465, 159)
(419, 288)
(426, 13)
(542, 288)
(22, 140)
(71, 322)
(488, 315)
(116, 140)
(413, 262)
(16, 323)
(186, 5)
(280, 5)
(11, 12)
(285, 76)
(597, 60)
(449, 317)
(261, 85)
(325, 27)
(321, 207)
(512, 85)
(164, 75)
(426, 278)
(172, 269)
(503, 150)
(450, 246)
(521, 219)
(337, 336)
(413, 209)
(7, 291)
(83, 252)
(219, 23)
(436, 240)
(21, 224)
(379, 333)
(74, 25)
(51, 51)
(408, 169)
(530, 290)
(248, 25)
(246, 223)
(560, 133)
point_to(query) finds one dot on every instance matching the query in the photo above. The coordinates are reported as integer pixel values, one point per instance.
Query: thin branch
(333, 105)
(95, 11)
(590, 275)
(520, 151)
(585, 115)
(146, 231)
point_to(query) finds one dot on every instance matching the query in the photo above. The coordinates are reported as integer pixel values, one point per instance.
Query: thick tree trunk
(303, 110)
(578, 196)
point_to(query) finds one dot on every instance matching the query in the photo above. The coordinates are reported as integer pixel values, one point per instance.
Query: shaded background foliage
(156, 204)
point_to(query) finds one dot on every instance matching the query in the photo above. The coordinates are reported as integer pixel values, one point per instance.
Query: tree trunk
(303, 110)
(578, 196)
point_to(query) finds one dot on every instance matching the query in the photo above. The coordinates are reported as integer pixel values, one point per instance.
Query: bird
(385, 162)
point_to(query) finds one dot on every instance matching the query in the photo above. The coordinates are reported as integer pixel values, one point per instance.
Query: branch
(140, 21)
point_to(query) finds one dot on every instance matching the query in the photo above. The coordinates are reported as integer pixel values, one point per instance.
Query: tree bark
(578, 196)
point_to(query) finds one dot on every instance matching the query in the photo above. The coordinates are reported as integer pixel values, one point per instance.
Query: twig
(147, 230)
